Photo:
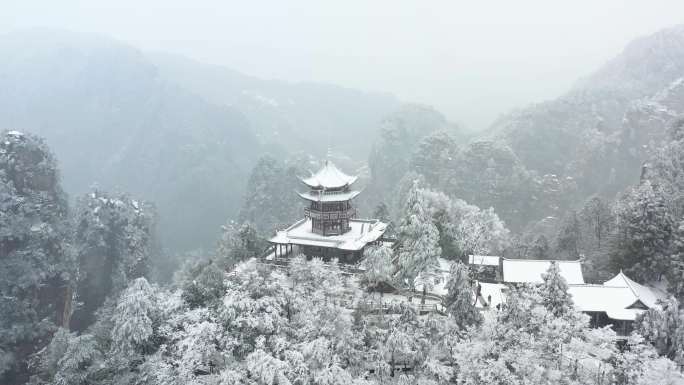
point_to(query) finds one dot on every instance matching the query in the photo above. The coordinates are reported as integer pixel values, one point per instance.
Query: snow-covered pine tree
(203, 285)
(382, 213)
(419, 250)
(460, 298)
(133, 319)
(237, 243)
(644, 233)
(675, 274)
(554, 292)
(569, 237)
(476, 231)
(664, 329)
(378, 265)
(270, 195)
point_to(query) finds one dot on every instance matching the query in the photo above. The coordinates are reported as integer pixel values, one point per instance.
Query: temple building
(330, 228)
(616, 302)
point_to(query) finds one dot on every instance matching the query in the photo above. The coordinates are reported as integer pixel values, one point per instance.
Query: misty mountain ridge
(118, 120)
(601, 130)
(185, 135)
(309, 117)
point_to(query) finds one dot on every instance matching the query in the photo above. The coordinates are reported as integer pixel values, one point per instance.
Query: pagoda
(330, 228)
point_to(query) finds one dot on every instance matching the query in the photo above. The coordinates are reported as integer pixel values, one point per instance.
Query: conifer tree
(237, 243)
(460, 298)
(554, 292)
(133, 318)
(378, 264)
(644, 233)
(675, 274)
(419, 250)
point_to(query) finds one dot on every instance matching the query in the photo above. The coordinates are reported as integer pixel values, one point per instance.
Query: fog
(351, 192)
(471, 60)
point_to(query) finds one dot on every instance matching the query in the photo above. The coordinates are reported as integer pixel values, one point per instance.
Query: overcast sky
(473, 60)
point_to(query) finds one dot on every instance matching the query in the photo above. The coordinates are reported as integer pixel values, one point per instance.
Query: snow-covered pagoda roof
(329, 177)
(484, 260)
(531, 270)
(363, 231)
(329, 196)
(620, 298)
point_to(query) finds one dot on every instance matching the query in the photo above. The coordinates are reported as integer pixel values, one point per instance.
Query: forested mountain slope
(166, 129)
(113, 122)
(538, 163)
(601, 131)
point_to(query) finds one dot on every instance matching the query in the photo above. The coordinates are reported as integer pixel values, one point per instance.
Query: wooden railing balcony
(330, 215)
(329, 192)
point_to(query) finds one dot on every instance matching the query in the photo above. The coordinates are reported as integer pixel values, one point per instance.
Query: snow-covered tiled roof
(329, 196)
(615, 297)
(612, 300)
(363, 231)
(647, 295)
(483, 260)
(329, 177)
(531, 270)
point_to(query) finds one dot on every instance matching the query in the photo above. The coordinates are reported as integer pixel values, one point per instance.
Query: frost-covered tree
(465, 229)
(666, 167)
(664, 329)
(569, 238)
(460, 298)
(203, 284)
(78, 362)
(675, 273)
(595, 238)
(37, 267)
(554, 292)
(644, 233)
(639, 364)
(134, 316)
(378, 265)
(382, 213)
(596, 214)
(477, 231)
(68, 359)
(398, 135)
(419, 249)
(540, 249)
(237, 243)
(270, 193)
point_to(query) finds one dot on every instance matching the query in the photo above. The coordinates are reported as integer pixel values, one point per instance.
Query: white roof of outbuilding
(531, 270)
(647, 295)
(618, 297)
(363, 231)
(612, 300)
(484, 260)
(329, 176)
